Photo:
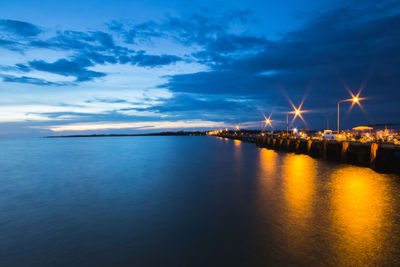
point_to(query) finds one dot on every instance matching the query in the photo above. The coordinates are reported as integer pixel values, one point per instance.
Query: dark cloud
(66, 67)
(189, 106)
(11, 45)
(143, 60)
(89, 49)
(100, 48)
(346, 47)
(28, 80)
(19, 28)
(213, 34)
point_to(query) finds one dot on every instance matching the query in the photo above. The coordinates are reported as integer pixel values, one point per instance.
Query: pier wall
(380, 157)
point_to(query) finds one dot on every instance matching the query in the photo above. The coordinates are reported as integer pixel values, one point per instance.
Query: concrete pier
(380, 157)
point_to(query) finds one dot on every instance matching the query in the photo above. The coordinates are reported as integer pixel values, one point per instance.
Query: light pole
(287, 122)
(296, 112)
(327, 115)
(354, 99)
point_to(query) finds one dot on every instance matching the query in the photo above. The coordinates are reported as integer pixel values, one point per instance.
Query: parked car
(328, 135)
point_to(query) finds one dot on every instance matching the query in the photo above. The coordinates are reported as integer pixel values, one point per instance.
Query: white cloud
(150, 125)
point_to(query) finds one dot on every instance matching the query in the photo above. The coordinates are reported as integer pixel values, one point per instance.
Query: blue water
(189, 201)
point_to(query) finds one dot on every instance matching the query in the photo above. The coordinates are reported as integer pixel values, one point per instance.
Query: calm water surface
(189, 201)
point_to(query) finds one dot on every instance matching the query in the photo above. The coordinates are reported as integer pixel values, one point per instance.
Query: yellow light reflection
(237, 155)
(360, 208)
(299, 177)
(299, 186)
(237, 142)
(267, 163)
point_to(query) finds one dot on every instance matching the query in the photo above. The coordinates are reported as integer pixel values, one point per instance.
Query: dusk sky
(73, 67)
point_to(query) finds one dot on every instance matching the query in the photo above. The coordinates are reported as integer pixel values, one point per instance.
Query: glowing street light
(296, 112)
(355, 100)
(268, 120)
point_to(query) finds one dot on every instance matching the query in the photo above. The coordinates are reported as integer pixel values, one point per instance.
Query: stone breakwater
(379, 157)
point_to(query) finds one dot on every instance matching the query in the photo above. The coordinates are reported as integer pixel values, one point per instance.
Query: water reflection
(361, 205)
(190, 201)
(237, 155)
(299, 186)
(299, 175)
(268, 162)
(324, 213)
(237, 143)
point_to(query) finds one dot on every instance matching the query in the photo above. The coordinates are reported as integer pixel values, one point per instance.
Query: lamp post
(327, 115)
(287, 122)
(296, 112)
(354, 99)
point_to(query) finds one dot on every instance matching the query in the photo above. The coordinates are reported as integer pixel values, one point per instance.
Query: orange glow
(361, 205)
(267, 163)
(299, 189)
(355, 99)
(299, 181)
(267, 121)
(297, 113)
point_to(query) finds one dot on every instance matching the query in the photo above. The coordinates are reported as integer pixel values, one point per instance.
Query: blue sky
(69, 67)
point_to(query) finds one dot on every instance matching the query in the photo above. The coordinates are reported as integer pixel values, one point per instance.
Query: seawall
(379, 157)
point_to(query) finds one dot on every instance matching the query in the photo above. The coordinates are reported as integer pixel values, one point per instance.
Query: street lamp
(355, 100)
(268, 120)
(287, 122)
(296, 112)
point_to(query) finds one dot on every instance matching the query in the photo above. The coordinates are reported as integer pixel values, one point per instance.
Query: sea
(189, 201)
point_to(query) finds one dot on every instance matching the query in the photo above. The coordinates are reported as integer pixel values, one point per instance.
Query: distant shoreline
(181, 133)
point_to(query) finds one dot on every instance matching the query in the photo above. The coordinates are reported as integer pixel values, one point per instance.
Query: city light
(355, 99)
(297, 113)
(267, 121)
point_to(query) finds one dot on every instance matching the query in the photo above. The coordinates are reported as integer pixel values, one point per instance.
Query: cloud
(29, 80)
(76, 68)
(10, 45)
(150, 125)
(214, 34)
(143, 60)
(19, 28)
(88, 50)
(348, 45)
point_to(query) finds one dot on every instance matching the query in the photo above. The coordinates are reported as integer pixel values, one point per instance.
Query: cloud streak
(152, 125)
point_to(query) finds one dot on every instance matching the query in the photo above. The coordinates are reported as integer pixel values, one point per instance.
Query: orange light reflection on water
(299, 187)
(361, 204)
(299, 175)
(323, 213)
(267, 162)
